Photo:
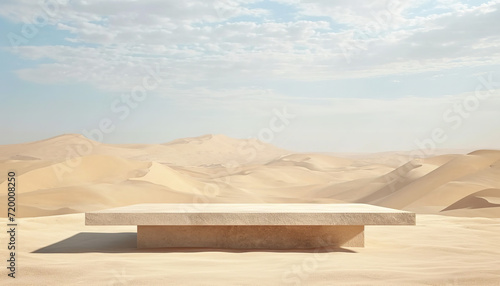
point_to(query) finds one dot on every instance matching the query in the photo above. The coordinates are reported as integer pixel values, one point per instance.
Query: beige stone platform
(247, 226)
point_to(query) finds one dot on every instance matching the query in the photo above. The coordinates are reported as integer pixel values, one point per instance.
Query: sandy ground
(457, 198)
(440, 250)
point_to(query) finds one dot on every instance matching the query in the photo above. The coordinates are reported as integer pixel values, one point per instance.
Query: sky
(315, 75)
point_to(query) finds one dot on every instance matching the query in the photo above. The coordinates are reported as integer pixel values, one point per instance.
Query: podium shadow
(126, 242)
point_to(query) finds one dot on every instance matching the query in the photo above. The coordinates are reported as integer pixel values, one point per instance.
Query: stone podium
(250, 226)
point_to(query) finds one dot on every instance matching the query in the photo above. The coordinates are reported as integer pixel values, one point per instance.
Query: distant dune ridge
(72, 174)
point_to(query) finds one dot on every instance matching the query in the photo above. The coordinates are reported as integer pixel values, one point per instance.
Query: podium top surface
(250, 214)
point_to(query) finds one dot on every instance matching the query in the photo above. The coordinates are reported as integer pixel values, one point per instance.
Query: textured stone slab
(250, 214)
(250, 226)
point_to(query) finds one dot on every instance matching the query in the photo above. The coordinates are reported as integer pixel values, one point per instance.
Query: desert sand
(456, 197)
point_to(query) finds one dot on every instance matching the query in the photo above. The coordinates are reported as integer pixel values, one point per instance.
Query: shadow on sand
(125, 242)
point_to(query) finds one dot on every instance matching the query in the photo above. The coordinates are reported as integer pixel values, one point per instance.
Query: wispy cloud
(198, 44)
(227, 54)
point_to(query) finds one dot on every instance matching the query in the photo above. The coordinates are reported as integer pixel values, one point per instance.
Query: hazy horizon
(425, 152)
(317, 76)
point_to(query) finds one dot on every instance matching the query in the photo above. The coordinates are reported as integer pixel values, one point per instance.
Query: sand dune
(316, 162)
(216, 168)
(96, 196)
(169, 178)
(203, 150)
(62, 177)
(489, 198)
(372, 188)
(219, 149)
(82, 170)
(450, 171)
(431, 183)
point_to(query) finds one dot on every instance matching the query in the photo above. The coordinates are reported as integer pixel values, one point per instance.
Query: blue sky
(353, 76)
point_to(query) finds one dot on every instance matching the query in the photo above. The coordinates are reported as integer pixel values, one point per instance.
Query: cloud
(200, 44)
